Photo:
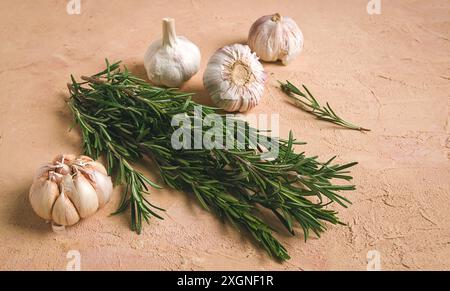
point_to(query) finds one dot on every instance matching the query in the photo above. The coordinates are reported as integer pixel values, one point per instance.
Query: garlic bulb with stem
(275, 37)
(69, 188)
(172, 60)
(235, 78)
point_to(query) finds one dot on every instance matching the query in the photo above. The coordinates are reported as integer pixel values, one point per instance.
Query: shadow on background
(23, 216)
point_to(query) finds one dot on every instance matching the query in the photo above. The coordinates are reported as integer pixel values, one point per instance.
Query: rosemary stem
(308, 103)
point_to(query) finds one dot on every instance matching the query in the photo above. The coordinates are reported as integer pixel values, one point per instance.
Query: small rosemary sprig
(125, 119)
(310, 104)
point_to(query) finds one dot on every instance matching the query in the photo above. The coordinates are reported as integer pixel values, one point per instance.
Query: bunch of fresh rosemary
(124, 118)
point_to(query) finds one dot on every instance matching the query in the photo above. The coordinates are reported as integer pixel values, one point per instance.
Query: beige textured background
(388, 72)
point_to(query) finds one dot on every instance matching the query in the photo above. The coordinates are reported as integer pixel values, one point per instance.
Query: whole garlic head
(235, 78)
(275, 37)
(172, 60)
(69, 188)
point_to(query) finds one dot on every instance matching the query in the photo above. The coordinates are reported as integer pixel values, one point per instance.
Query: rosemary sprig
(312, 106)
(124, 118)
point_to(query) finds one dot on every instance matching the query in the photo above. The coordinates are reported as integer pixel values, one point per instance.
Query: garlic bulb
(172, 60)
(235, 78)
(69, 188)
(275, 37)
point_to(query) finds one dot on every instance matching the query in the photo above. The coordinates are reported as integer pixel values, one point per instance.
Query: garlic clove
(235, 78)
(64, 211)
(102, 184)
(43, 193)
(81, 193)
(275, 37)
(172, 60)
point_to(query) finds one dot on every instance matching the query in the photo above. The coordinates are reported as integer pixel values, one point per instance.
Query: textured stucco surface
(388, 72)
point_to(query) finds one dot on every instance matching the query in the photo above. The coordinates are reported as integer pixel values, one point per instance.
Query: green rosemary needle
(310, 104)
(125, 119)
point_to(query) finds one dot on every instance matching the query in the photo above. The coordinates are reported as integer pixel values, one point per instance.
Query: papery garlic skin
(172, 60)
(70, 188)
(235, 78)
(275, 37)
